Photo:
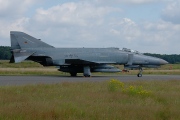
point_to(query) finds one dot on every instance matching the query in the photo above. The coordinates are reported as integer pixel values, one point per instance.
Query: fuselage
(96, 55)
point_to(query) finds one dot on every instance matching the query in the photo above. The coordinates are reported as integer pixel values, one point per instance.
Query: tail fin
(21, 40)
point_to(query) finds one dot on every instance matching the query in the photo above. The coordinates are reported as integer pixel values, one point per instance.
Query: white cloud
(161, 36)
(125, 1)
(7, 26)
(71, 22)
(12, 17)
(172, 12)
(14, 8)
(73, 14)
(86, 24)
(137, 1)
(155, 37)
(125, 28)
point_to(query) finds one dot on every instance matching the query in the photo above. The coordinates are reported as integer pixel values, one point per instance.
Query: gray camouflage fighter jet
(77, 60)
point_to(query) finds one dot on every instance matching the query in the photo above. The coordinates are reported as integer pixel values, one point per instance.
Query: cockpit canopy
(131, 51)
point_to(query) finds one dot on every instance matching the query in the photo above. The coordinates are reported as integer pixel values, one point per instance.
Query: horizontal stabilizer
(19, 56)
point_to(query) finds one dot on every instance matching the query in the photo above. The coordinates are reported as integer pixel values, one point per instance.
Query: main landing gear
(73, 74)
(87, 71)
(140, 72)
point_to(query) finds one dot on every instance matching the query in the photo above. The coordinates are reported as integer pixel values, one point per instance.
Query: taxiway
(28, 80)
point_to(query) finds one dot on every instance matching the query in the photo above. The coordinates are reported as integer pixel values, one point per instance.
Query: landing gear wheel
(87, 71)
(140, 72)
(73, 74)
(139, 75)
(87, 76)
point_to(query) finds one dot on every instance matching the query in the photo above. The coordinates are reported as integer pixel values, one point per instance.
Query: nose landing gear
(140, 72)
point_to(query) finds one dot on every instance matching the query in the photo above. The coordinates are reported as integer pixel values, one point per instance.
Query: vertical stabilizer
(14, 42)
(21, 40)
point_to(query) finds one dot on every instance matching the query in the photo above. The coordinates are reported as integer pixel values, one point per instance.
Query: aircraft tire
(73, 74)
(139, 75)
(87, 76)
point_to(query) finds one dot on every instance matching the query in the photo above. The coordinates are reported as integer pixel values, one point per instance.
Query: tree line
(5, 54)
(173, 59)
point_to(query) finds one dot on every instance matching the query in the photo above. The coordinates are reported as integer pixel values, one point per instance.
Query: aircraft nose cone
(163, 62)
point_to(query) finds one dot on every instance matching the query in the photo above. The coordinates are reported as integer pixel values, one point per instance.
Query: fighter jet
(78, 60)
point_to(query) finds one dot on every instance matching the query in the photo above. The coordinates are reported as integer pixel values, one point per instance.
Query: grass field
(24, 64)
(111, 100)
(139, 100)
(30, 64)
(32, 68)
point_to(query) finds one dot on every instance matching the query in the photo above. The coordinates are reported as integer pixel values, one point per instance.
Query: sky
(151, 26)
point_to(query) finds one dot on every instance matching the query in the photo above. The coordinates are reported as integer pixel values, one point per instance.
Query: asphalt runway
(29, 80)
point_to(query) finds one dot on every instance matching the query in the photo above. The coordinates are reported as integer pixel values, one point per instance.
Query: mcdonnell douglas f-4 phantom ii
(77, 60)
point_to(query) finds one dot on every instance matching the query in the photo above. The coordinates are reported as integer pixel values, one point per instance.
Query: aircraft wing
(85, 62)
